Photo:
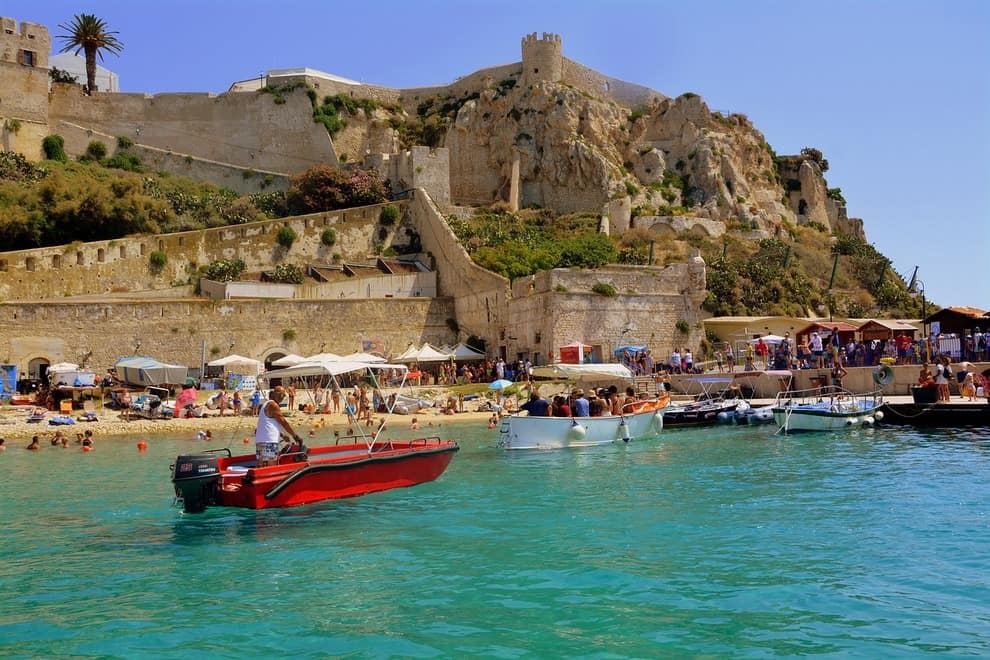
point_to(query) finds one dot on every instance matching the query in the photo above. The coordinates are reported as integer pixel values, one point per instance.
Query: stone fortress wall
(124, 265)
(24, 51)
(242, 180)
(244, 130)
(98, 333)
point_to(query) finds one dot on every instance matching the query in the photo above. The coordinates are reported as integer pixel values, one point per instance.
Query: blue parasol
(500, 384)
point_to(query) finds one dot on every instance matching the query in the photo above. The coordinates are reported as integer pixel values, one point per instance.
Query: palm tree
(89, 34)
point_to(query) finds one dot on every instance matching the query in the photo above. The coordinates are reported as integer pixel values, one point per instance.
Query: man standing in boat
(271, 421)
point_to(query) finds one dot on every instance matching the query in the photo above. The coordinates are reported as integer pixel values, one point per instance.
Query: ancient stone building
(24, 51)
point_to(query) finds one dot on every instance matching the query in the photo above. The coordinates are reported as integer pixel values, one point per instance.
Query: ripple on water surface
(721, 541)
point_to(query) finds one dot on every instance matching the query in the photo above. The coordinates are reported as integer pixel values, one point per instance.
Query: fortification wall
(602, 86)
(242, 180)
(23, 93)
(557, 307)
(479, 295)
(247, 129)
(122, 265)
(411, 97)
(175, 330)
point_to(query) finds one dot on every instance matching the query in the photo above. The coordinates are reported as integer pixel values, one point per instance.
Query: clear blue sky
(896, 94)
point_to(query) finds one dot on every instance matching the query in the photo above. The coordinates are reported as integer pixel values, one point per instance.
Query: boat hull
(817, 417)
(523, 432)
(332, 472)
(697, 415)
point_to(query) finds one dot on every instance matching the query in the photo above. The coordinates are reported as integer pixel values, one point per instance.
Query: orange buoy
(87, 448)
(245, 440)
(142, 445)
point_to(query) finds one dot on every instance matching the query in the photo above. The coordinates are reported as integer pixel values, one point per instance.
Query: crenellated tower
(542, 58)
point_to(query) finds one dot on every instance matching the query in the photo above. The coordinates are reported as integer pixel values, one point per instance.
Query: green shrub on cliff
(325, 188)
(516, 245)
(54, 148)
(224, 270)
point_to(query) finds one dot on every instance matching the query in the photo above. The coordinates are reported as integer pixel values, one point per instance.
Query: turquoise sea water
(719, 542)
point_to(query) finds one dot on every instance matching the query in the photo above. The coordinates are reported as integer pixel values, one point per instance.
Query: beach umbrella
(500, 384)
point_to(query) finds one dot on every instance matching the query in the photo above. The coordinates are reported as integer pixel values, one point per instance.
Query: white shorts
(266, 451)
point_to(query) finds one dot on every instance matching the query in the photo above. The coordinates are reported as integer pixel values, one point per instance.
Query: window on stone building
(29, 263)
(182, 241)
(80, 259)
(101, 255)
(123, 251)
(56, 261)
(28, 58)
(538, 338)
(3, 265)
(161, 245)
(144, 249)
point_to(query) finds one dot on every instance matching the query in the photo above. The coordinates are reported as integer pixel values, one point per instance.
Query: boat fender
(851, 421)
(623, 431)
(576, 432)
(878, 415)
(724, 418)
(658, 420)
(868, 421)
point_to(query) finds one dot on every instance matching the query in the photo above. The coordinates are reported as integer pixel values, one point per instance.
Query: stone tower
(542, 58)
(23, 86)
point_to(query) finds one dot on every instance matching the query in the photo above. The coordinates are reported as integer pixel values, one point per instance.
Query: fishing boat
(706, 408)
(828, 408)
(638, 420)
(352, 466)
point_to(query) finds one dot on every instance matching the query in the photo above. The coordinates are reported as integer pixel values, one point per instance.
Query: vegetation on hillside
(98, 198)
(516, 245)
(774, 276)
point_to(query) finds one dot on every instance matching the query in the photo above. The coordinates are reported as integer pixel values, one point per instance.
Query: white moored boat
(826, 409)
(641, 419)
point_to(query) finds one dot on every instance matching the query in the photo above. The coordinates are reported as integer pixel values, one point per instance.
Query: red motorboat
(352, 466)
(211, 478)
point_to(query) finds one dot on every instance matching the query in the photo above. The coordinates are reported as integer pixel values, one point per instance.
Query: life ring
(883, 375)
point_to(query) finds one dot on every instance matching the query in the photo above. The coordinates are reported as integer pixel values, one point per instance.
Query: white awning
(328, 368)
(575, 371)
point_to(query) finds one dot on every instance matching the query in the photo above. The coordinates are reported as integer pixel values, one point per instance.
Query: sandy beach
(15, 428)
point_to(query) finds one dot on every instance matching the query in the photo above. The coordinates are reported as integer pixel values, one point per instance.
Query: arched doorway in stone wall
(275, 354)
(38, 368)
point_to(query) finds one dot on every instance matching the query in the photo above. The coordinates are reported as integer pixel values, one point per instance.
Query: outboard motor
(196, 477)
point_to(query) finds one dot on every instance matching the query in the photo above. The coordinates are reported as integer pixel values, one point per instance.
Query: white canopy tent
(329, 368)
(464, 352)
(321, 357)
(428, 353)
(363, 357)
(238, 364)
(288, 360)
(408, 355)
(425, 353)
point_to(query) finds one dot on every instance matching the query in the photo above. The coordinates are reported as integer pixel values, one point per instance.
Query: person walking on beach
(271, 422)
